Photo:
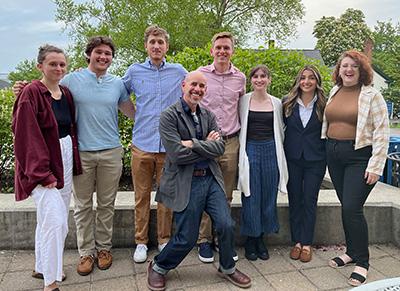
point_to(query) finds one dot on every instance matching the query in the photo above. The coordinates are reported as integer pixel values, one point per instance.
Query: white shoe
(161, 247)
(140, 255)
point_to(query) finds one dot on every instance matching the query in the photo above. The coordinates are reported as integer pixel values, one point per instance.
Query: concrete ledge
(18, 220)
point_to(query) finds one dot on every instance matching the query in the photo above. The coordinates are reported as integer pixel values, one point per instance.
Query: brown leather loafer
(85, 265)
(295, 253)
(305, 255)
(104, 259)
(237, 278)
(155, 281)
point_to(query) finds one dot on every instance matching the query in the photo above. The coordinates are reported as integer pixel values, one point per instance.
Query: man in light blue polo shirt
(156, 85)
(97, 96)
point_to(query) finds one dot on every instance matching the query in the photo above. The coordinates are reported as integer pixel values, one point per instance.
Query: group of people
(196, 133)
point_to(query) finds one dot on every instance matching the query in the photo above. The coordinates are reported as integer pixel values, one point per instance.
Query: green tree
(190, 23)
(386, 55)
(25, 70)
(335, 36)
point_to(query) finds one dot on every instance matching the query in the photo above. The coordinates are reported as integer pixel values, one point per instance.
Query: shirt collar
(311, 104)
(41, 86)
(150, 64)
(231, 69)
(94, 74)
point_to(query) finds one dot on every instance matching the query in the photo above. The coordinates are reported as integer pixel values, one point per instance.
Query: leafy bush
(6, 142)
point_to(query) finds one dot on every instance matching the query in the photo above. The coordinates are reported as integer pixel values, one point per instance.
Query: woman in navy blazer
(303, 110)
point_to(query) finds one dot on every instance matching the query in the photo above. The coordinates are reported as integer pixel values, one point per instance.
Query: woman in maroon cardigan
(46, 156)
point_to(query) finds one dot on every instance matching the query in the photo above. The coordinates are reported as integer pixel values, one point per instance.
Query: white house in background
(381, 80)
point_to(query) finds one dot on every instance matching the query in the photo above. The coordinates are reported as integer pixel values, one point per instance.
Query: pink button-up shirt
(222, 96)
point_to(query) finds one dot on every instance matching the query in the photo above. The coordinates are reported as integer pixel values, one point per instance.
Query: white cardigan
(244, 167)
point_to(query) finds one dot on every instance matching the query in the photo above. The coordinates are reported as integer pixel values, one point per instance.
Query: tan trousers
(229, 166)
(101, 173)
(144, 166)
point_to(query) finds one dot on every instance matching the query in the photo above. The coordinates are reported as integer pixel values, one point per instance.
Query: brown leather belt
(226, 137)
(202, 172)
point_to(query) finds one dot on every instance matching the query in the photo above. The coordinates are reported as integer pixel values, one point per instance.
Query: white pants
(52, 220)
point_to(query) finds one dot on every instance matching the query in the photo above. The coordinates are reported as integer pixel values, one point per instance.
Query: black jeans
(347, 169)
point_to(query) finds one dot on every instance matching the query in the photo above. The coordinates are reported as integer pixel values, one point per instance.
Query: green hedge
(284, 66)
(6, 142)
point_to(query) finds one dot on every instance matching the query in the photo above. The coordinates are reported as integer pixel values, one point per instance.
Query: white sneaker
(140, 255)
(161, 247)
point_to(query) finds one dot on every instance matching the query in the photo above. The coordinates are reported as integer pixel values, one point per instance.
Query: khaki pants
(229, 166)
(144, 166)
(101, 173)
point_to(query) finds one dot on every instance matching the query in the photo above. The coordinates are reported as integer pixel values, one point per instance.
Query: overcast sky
(27, 24)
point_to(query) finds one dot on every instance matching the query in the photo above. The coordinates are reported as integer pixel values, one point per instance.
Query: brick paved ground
(278, 273)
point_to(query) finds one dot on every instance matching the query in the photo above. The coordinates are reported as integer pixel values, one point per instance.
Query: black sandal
(356, 279)
(340, 263)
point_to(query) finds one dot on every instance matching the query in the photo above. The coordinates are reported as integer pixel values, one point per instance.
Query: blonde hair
(223, 34)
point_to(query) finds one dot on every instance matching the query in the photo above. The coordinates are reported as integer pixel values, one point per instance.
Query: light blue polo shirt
(96, 101)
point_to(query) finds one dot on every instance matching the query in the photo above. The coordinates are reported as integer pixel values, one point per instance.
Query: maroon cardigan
(36, 142)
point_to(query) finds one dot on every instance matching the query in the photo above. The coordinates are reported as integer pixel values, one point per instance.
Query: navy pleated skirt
(259, 211)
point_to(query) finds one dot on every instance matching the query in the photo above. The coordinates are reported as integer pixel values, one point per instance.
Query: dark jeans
(347, 169)
(206, 195)
(305, 178)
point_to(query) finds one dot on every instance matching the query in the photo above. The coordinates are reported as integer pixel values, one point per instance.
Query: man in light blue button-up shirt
(156, 85)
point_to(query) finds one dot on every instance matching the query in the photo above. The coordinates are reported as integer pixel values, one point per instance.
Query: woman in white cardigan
(262, 163)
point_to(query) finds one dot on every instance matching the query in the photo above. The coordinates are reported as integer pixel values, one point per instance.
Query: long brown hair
(296, 92)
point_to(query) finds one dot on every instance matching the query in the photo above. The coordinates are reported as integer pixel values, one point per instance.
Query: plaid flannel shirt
(372, 126)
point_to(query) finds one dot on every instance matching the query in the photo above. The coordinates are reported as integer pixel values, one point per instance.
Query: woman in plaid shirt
(356, 126)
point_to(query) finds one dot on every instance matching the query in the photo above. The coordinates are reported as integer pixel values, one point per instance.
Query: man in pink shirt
(226, 84)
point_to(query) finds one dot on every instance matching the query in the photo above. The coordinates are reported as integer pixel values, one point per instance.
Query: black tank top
(260, 125)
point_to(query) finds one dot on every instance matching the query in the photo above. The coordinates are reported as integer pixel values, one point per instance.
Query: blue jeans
(205, 195)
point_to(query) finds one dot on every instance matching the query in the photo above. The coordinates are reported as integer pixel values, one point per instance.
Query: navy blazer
(303, 141)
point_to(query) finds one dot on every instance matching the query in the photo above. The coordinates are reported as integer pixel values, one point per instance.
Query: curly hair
(366, 72)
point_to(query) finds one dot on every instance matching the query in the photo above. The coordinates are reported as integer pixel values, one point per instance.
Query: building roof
(309, 53)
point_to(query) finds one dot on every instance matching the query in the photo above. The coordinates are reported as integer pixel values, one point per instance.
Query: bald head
(194, 87)
(195, 75)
